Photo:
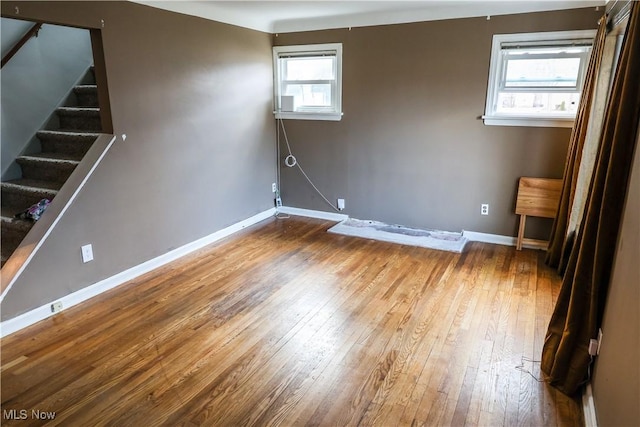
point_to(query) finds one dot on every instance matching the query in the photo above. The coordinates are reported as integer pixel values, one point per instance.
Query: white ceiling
(290, 15)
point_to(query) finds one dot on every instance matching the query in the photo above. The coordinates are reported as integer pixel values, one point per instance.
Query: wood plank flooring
(285, 324)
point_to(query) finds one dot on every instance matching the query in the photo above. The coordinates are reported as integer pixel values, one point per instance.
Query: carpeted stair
(44, 173)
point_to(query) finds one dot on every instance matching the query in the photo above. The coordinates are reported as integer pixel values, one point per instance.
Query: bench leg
(523, 220)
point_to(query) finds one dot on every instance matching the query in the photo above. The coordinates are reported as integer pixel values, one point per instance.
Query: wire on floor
(521, 367)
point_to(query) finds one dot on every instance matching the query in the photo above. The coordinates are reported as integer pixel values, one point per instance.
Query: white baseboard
(330, 216)
(496, 239)
(473, 236)
(588, 407)
(29, 318)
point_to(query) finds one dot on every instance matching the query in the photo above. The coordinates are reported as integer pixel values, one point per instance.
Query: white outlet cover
(56, 307)
(341, 204)
(87, 253)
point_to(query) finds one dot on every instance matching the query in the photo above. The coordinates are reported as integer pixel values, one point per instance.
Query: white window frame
(497, 73)
(321, 113)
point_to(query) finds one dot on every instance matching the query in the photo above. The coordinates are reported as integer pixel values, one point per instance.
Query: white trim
(292, 115)
(333, 113)
(588, 407)
(431, 11)
(496, 239)
(496, 71)
(65, 197)
(282, 18)
(330, 216)
(528, 121)
(29, 318)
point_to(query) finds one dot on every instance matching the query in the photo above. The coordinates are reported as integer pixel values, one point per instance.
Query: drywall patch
(432, 239)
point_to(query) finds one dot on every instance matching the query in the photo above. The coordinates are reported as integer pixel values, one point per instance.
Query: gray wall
(36, 81)
(194, 98)
(11, 31)
(616, 378)
(411, 148)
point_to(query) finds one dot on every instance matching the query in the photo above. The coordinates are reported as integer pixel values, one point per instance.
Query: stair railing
(33, 31)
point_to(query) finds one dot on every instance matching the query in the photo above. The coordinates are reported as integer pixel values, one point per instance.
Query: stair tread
(70, 132)
(75, 132)
(47, 171)
(79, 109)
(36, 184)
(8, 216)
(7, 213)
(52, 158)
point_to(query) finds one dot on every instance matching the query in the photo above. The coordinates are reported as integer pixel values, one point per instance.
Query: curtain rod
(618, 13)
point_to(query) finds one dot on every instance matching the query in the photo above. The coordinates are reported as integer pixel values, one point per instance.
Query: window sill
(296, 115)
(528, 121)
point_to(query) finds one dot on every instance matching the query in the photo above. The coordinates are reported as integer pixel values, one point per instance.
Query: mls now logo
(42, 415)
(14, 414)
(23, 414)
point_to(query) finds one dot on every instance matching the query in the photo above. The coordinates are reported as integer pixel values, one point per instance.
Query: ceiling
(287, 16)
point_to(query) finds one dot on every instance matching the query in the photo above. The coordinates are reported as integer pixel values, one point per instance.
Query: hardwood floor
(286, 324)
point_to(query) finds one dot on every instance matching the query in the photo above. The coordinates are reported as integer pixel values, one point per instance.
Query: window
(535, 79)
(308, 81)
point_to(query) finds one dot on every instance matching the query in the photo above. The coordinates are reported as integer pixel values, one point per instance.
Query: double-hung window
(308, 81)
(535, 79)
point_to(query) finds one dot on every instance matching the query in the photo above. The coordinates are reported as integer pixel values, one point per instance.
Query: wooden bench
(536, 197)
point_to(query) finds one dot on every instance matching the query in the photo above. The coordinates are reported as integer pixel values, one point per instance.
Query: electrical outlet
(56, 307)
(274, 187)
(87, 253)
(484, 209)
(340, 204)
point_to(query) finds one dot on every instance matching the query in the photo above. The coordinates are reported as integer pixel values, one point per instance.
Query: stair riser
(24, 199)
(56, 172)
(11, 237)
(87, 98)
(82, 122)
(15, 230)
(71, 147)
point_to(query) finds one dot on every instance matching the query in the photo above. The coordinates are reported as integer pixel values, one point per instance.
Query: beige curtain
(580, 306)
(560, 243)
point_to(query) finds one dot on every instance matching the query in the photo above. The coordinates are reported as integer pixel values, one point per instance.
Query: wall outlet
(274, 187)
(56, 307)
(484, 209)
(341, 204)
(87, 253)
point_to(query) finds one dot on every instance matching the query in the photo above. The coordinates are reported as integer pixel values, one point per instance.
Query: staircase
(44, 172)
